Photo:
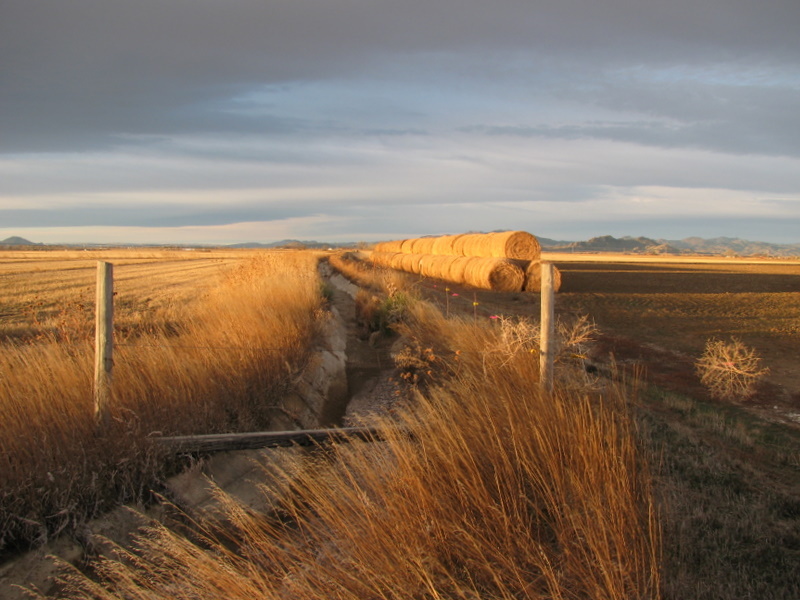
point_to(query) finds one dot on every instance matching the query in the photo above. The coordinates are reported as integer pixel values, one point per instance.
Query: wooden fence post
(103, 343)
(546, 354)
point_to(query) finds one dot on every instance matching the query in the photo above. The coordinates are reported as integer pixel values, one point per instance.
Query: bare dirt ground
(657, 314)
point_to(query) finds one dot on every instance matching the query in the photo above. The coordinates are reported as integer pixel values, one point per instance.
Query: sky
(226, 121)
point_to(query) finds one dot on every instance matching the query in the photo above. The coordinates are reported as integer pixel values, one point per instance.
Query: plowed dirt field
(659, 312)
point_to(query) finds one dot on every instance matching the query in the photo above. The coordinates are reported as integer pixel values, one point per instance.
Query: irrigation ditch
(348, 376)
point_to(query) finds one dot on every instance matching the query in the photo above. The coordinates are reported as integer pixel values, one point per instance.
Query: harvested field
(680, 305)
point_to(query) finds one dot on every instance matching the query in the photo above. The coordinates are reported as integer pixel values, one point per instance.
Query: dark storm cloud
(78, 72)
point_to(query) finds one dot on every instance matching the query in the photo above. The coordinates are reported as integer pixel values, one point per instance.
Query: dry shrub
(483, 488)
(729, 370)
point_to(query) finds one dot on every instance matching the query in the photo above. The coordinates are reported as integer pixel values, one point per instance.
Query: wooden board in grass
(533, 277)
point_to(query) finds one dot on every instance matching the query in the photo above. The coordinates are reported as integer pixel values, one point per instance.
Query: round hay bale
(475, 244)
(494, 274)
(424, 264)
(463, 242)
(533, 277)
(516, 244)
(407, 263)
(457, 267)
(407, 246)
(397, 261)
(445, 245)
(417, 263)
(426, 245)
(519, 245)
(435, 266)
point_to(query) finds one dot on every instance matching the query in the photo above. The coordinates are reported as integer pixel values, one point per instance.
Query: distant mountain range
(693, 245)
(639, 245)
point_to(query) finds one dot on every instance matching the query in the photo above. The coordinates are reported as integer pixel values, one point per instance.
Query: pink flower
(454, 295)
(494, 317)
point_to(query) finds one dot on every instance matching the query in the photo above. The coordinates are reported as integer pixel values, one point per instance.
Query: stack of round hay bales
(519, 245)
(486, 273)
(494, 261)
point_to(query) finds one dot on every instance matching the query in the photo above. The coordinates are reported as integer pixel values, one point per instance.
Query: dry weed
(729, 370)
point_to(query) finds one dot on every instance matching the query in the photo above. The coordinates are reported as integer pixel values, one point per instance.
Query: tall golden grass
(482, 488)
(218, 363)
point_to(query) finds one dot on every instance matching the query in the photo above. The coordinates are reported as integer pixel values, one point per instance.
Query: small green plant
(380, 314)
(729, 370)
(326, 291)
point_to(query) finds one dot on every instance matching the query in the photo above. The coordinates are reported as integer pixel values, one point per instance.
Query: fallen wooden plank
(223, 442)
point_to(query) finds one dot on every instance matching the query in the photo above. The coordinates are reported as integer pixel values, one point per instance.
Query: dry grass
(727, 487)
(482, 489)
(366, 275)
(215, 362)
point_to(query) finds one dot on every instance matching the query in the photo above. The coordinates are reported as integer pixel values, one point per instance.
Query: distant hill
(692, 245)
(17, 241)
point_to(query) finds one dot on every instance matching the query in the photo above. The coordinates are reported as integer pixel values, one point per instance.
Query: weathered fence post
(103, 343)
(547, 338)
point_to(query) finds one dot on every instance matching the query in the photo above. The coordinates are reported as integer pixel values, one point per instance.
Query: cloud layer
(354, 119)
